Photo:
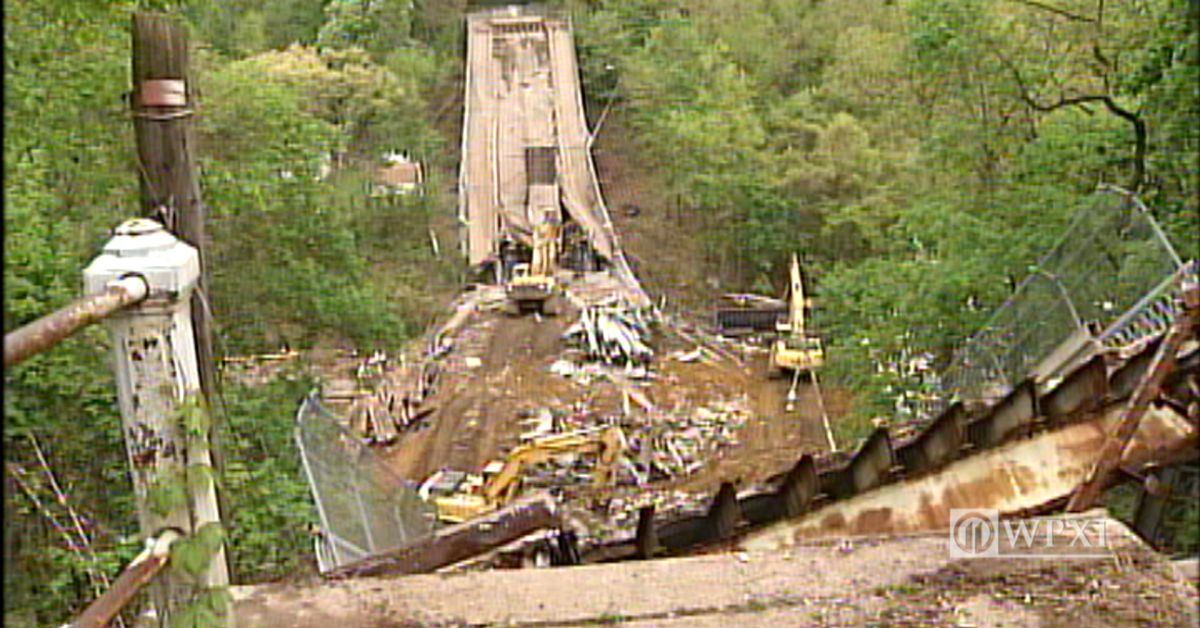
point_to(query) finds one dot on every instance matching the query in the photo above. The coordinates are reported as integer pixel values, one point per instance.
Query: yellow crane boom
(794, 349)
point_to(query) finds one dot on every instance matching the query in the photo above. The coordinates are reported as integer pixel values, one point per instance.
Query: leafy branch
(1140, 133)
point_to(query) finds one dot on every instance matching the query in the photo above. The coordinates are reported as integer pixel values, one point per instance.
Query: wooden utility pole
(162, 101)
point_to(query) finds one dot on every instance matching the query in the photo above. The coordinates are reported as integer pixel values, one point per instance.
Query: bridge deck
(523, 91)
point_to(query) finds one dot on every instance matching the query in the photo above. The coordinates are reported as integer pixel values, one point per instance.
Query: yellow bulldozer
(459, 496)
(794, 350)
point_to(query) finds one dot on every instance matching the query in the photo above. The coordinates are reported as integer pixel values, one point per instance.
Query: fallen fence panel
(364, 508)
(459, 542)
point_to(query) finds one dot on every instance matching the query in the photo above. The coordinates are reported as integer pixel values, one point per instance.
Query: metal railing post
(154, 359)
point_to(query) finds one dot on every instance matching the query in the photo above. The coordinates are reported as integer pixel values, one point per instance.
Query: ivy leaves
(207, 610)
(192, 555)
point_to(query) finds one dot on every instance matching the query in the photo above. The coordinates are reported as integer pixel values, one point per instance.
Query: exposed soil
(498, 372)
(662, 245)
(480, 407)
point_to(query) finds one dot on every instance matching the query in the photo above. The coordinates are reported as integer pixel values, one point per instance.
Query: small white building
(401, 175)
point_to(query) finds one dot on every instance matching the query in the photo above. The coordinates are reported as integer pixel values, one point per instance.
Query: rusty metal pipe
(460, 541)
(49, 330)
(136, 576)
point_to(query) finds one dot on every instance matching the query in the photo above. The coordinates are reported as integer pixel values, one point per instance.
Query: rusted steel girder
(459, 542)
(53, 328)
(1147, 390)
(136, 576)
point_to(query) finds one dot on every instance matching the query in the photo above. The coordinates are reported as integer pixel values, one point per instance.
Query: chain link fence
(1109, 283)
(364, 508)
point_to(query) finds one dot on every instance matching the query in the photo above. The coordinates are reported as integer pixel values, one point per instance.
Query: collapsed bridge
(525, 149)
(525, 160)
(1024, 453)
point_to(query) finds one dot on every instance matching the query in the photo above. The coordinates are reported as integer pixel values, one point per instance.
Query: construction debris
(662, 445)
(690, 356)
(674, 444)
(612, 334)
(379, 411)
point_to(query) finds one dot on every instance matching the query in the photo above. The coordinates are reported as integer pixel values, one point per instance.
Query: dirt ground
(499, 373)
(662, 249)
(478, 407)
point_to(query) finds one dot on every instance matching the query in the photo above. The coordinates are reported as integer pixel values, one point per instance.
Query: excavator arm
(796, 311)
(501, 487)
(608, 444)
(793, 349)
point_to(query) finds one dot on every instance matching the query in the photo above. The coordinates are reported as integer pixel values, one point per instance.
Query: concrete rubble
(609, 343)
(684, 399)
(661, 445)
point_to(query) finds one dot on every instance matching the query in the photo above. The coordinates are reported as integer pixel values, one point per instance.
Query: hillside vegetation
(283, 87)
(918, 154)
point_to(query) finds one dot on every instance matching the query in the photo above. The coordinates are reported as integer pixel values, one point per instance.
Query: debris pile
(623, 511)
(668, 445)
(585, 374)
(380, 417)
(616, 519)
(660, 445)
(612, 334)
(380, 410)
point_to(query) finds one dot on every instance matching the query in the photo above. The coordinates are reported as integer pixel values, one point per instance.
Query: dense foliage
(298, 102)
(919, 154)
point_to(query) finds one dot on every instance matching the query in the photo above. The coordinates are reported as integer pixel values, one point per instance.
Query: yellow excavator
(794, 349)
(459, 497)
(531, 287)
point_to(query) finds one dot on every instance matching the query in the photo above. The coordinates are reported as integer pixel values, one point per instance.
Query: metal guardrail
(51, 329)
(1089, 290)
(883, 459)
(1153, 314)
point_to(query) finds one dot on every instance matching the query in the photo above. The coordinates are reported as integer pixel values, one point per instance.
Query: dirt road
(482, 394)
(499, 373)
